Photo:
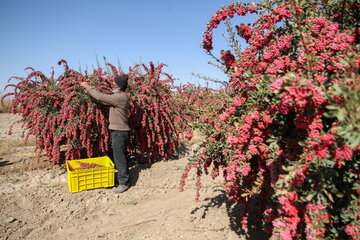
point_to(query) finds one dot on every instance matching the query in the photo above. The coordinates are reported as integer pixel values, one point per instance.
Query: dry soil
(35, 202)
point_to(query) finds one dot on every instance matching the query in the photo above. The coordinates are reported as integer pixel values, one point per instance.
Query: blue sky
(38, 33)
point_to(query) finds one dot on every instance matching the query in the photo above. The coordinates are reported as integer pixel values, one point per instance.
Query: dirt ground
(35, 202)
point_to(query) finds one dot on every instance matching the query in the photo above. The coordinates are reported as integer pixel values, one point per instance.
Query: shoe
(121, 188)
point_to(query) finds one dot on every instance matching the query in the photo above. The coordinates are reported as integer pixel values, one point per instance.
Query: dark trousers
(119, 140)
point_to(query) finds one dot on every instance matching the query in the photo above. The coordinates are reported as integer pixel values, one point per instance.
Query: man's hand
(85, 85)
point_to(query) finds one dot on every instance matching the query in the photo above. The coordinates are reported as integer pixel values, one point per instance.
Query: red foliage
(287, 136)
(58, 112)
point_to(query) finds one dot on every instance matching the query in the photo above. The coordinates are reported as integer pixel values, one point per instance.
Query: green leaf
(329, 196)
(310, 196)
(341, 114)
(332, 107)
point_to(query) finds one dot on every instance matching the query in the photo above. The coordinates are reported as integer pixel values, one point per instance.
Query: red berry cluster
(59, 113)
(84, 165)
(289, 137)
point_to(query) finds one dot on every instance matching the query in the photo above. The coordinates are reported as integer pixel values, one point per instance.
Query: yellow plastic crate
(84, 179)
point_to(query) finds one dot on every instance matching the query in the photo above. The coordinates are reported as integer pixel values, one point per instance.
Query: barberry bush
(199, 105)
(289, 138)
(62, 116)
(156, 119)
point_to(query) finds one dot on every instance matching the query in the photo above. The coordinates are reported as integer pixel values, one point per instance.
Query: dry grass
(22, 165)
(14, 151)
(7, 146)
(5, 105)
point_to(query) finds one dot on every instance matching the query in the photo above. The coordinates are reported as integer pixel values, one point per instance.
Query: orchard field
(272, 154)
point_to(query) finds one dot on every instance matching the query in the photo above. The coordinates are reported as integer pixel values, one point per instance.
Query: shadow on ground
(4, 163)
(234, 211)
(138, 163)
(134, 171)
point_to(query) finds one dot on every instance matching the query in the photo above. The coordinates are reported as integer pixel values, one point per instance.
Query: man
(118, 125)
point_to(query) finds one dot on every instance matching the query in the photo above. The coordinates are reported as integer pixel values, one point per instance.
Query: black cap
(122, 81)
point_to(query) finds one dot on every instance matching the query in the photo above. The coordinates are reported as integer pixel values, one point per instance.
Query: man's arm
(107, 99)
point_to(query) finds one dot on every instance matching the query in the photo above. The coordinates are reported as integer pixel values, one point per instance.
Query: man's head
(122, 81)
